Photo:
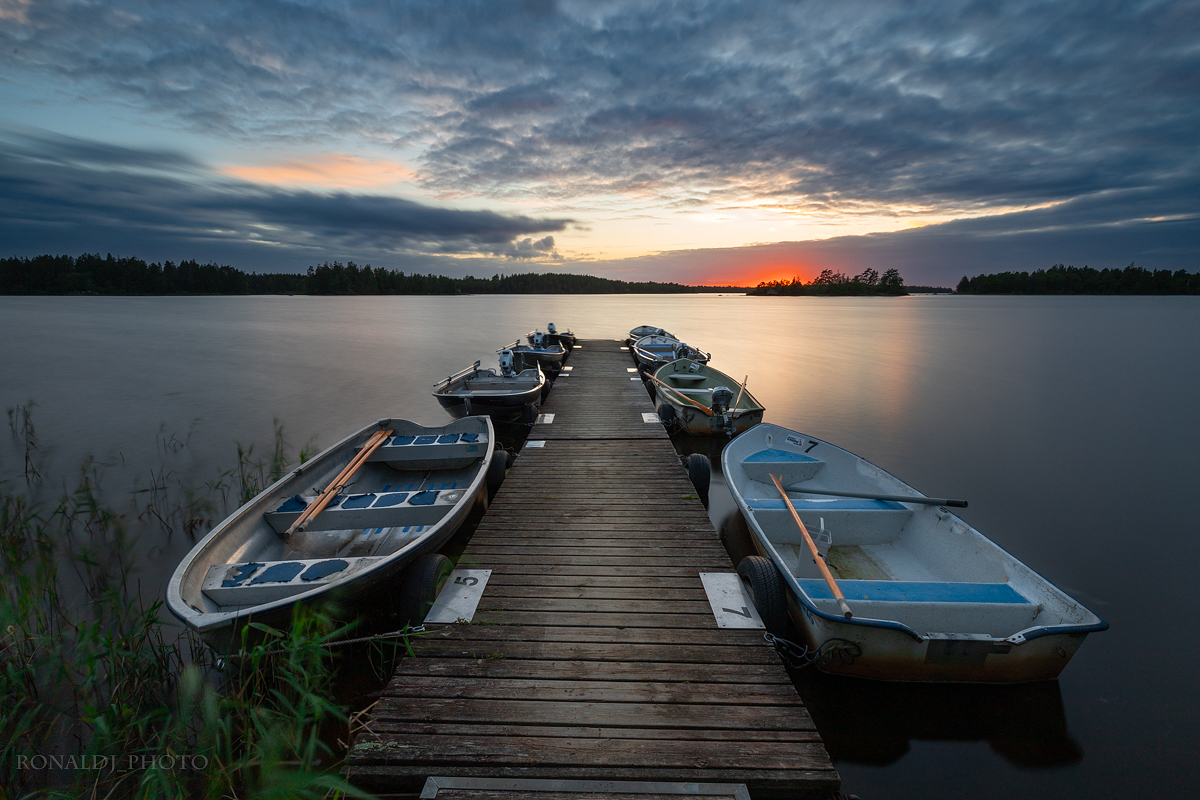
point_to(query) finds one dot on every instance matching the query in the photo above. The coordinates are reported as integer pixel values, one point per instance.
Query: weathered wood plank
(625, 715)
(643, 671)
(545, 751)
(576, 732)
(596, 653)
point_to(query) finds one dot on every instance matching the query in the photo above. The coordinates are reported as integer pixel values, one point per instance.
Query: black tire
(666, 415)
(495, 471)
(423, 579)
(762, 578)
(700, 474)
(529, 414)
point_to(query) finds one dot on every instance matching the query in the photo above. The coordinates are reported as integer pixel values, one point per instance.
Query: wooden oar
(816, 554)
(741, 391)
(333, 488)
(338, 483)
(899, 498)
(682, 396)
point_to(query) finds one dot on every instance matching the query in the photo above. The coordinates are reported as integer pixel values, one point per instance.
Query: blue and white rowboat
(932, 598)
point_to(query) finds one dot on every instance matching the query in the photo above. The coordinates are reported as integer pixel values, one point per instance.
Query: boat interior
(697, 381)
(405, 489)
(488, 382)
(916, 564)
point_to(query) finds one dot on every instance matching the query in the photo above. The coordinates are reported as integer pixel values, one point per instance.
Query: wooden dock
(594, 655)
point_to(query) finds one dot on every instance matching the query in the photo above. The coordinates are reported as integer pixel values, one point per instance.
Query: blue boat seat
(447, 451)
(914, 591)
(256, 582)
(789, 466)
(370, 510)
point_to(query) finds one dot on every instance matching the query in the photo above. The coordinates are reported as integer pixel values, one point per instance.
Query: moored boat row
(879, 580)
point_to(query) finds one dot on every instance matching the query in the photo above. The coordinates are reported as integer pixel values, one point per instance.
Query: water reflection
(872, 722)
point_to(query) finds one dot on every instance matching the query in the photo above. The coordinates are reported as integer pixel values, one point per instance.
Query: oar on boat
(741, 391)
(682, 396)
(899, 498)
(821, 565)
(337, 484)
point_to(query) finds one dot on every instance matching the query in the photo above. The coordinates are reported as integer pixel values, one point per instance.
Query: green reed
(120, 704)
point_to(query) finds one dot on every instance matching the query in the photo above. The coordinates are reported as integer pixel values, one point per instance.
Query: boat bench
(371, 510)
(255, 582)
(914, 591)
(430, 447)
(788, 466)
(849, 520)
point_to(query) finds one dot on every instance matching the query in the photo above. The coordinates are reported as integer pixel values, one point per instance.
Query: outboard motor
(682, 351)
(722, 398)
(507, 363)
(539, 339)
(551, 329)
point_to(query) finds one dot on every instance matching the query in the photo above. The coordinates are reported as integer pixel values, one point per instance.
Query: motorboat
(541, 351)
(655, 350)
(647, 330)
(386, 498)
(507, 395)
(701, 401)
(553, 335)
(924, 596)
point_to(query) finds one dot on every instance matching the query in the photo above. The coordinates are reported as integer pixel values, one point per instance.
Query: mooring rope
(831, 651)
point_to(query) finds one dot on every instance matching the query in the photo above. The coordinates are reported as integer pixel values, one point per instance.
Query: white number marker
(731, 603)
(459, 597)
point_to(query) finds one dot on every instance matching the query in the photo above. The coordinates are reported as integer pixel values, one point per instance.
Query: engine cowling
(539, 339)
(551, 329)
(722, 398)
(507, 362)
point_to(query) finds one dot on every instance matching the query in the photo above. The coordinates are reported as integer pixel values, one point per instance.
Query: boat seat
(790, 466)
(371, 510)
(431, 448)
(850, 521)
(255, 582)
(914, 591)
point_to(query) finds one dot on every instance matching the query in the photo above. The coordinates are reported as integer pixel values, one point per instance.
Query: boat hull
(694, 422)
(893, 655)
(505, 409)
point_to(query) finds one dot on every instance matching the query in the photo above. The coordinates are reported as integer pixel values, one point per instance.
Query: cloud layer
(818, 110)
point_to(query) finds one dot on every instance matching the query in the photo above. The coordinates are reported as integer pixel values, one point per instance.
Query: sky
(701, 142)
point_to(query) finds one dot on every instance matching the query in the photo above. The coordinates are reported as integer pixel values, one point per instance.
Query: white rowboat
(932, 598)
(412, 493)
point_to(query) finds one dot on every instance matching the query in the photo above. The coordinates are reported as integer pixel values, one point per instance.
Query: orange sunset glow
(330, 170)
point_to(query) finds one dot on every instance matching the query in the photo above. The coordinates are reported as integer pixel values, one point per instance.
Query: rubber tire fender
(423, 579)
(496, 470)
(700, 473)
(762, 578)
(666, 415)
(529, 414)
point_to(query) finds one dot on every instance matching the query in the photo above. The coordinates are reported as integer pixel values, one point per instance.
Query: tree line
(1059, 279)
(830, 282)
(92, 274)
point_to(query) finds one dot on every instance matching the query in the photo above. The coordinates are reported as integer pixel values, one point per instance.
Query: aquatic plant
(103, 698)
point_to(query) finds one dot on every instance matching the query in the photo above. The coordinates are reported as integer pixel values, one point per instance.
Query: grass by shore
(103, 698)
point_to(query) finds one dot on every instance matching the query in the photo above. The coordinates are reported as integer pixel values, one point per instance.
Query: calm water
(1069, 423)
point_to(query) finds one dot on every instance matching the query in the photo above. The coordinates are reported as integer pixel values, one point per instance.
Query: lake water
(1070, 424)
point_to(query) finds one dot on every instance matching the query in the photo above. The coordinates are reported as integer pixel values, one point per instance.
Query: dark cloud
(57, 190)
